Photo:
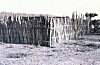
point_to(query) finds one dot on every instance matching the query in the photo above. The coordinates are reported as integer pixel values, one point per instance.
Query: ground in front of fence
(74, 53)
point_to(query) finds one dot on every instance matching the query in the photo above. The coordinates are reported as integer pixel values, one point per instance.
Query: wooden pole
(50, 31)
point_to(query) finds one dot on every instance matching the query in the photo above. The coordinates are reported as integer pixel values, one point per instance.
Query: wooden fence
(39, 29)
(64, 29)
(24, 29)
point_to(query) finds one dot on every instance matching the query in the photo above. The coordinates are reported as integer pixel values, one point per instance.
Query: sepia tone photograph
(49, 32)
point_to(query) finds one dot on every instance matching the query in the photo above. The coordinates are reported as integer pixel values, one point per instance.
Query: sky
(53, 7)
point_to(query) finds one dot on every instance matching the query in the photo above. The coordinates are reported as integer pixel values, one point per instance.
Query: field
(79, 52)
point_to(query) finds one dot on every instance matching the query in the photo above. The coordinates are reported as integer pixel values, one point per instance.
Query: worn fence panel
(64, 29)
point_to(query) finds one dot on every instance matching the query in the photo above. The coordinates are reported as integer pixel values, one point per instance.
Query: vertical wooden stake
(50, 31)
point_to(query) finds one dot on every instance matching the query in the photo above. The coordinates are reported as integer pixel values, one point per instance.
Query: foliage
(91, 15)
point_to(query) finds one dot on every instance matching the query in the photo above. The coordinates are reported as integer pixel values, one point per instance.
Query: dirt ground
(79, 52)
